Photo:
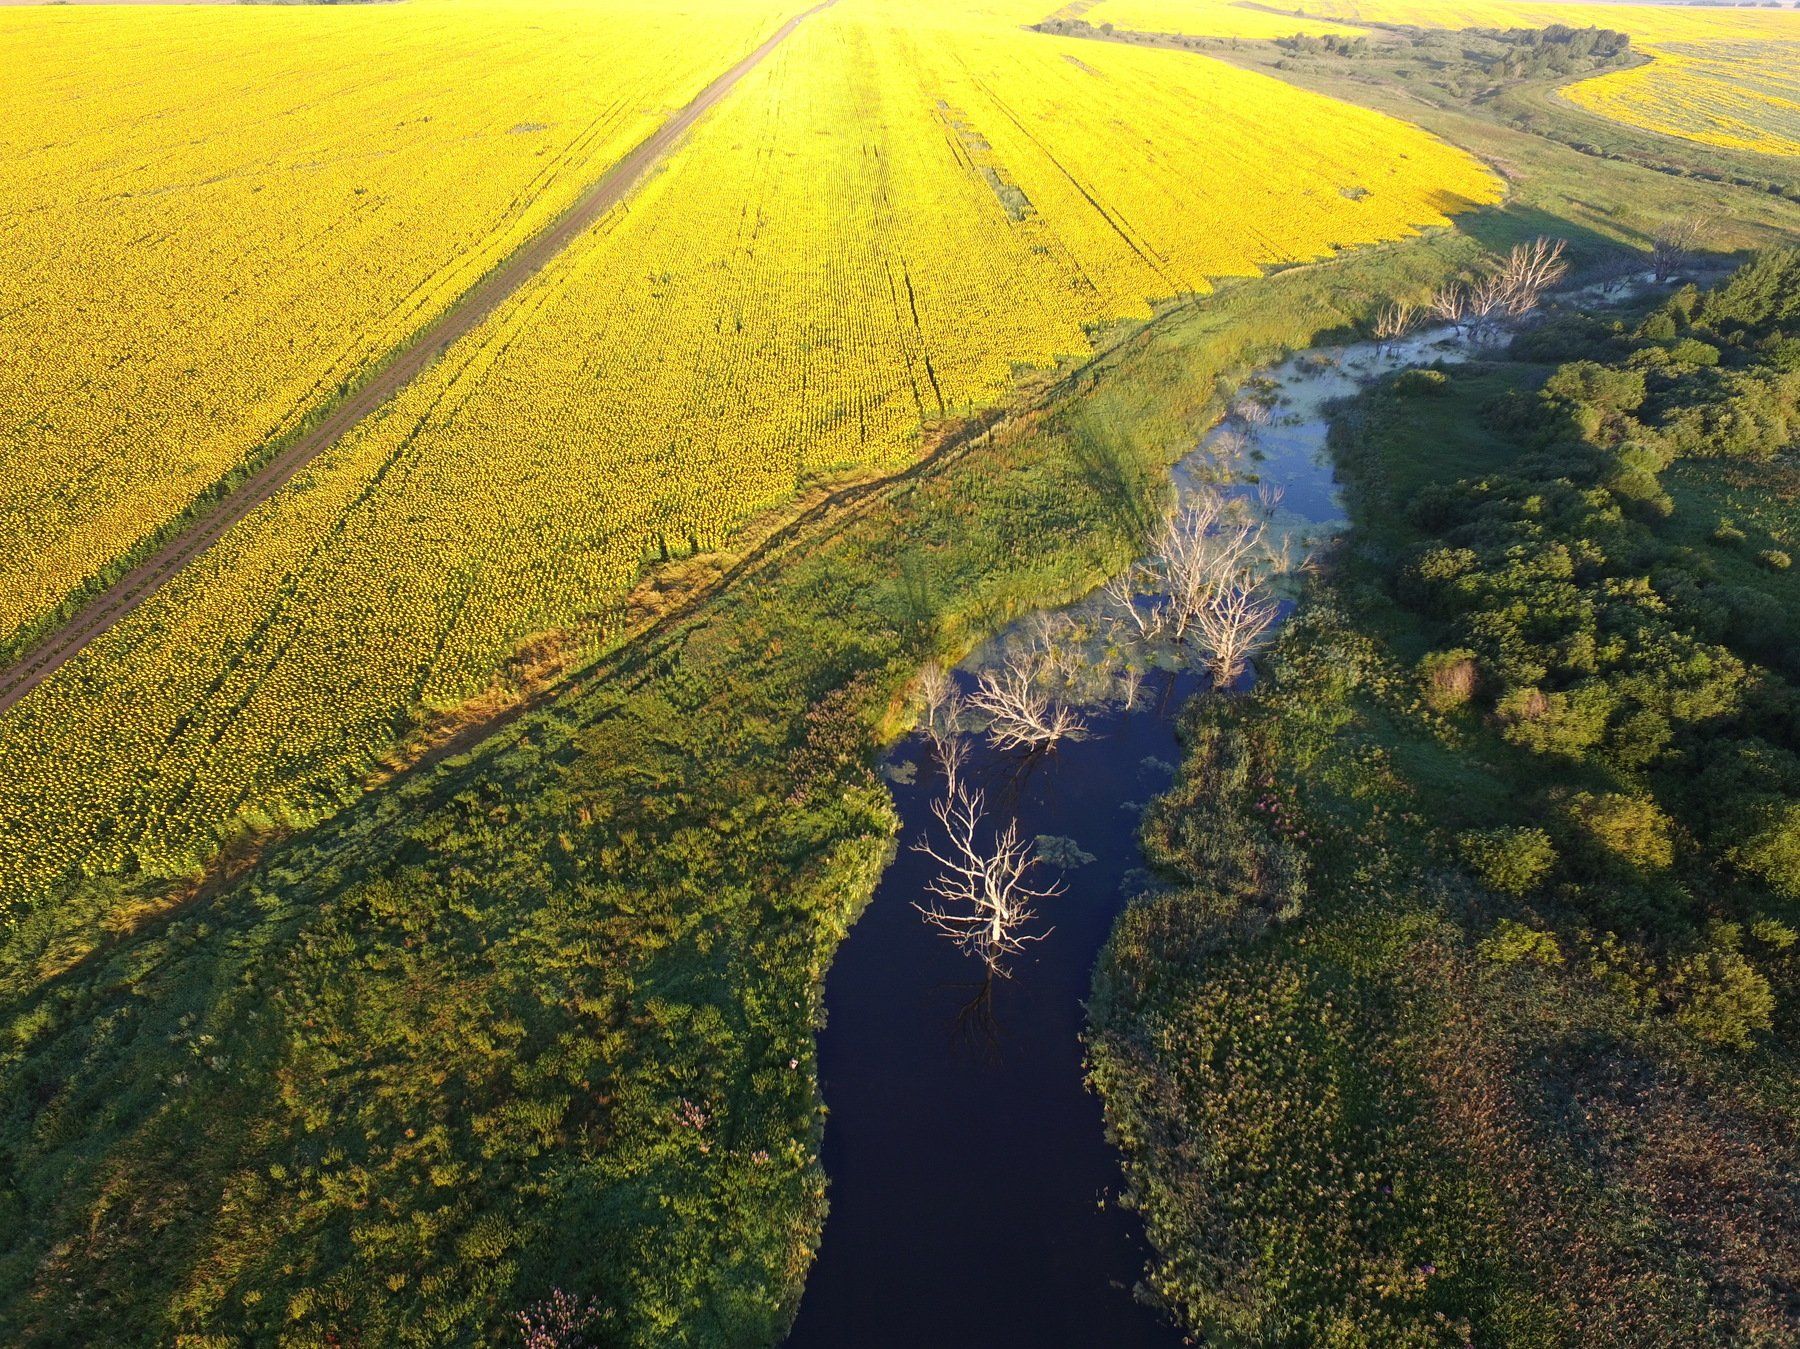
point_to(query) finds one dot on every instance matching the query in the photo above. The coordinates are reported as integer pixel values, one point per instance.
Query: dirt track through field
(98, 615)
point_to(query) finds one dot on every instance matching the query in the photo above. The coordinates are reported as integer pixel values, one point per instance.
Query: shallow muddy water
(973, 1192)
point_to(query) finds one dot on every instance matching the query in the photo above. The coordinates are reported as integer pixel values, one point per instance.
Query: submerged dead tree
(1203, 549)
(1478, 307)
(941, 718)
(1393, 325)
(1530, 270)
(981, 898)
(1489, 300)
(1207, 585)
(1252, 414)
(1449, 304)
(1021, 713)
(1674, 245)
(1234, 624)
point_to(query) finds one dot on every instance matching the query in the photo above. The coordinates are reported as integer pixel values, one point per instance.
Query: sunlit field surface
(210, 218)
(1212, 18)
(892, 215)
(444, 912)
(1740, 94)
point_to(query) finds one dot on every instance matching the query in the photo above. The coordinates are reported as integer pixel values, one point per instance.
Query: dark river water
(973, 1191)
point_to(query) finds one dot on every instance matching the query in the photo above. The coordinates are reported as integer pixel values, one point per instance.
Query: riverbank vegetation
(1465, 1011)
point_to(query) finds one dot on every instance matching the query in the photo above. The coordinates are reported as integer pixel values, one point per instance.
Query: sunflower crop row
(1214, 18)
(210, 218)
(897, 209)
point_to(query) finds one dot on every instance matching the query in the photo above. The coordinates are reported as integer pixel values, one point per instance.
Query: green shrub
(1722, 998)
(1590, 384)
(1692, 351)
(1509, 860)
(1762, 294)
(1448, 679)
(1732, 414)
(1770, 849)
(1627, 829)
(1774, 559)
(1565, 723)
(1773, 932)
(1421, 383)
(1783, 353)
(1512, 943)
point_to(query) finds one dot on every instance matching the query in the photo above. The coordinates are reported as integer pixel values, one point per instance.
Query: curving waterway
(974, 1196)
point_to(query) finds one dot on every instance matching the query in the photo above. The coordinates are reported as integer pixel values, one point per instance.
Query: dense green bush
(1512, 943)
(1606, 388)
(1420, 383)
(1722, 997)
(1448, 679)
(1770, 845)
(1760, 297)
(1512, 861)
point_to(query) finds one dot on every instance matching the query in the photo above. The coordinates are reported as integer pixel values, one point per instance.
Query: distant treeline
(1462, 61)
(1497, 54)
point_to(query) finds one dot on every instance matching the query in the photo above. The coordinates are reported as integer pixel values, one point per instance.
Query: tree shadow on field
(915, 595)
(1108, 467)
(1498, 228)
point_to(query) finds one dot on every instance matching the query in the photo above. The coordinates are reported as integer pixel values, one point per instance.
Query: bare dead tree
(1488, 300)
(1252, 414)
(1228, 444)
(980, 898)
(1021, 715)
(1054, 646)
(1673, 246)
(1215, 559)
(1449, 303)
(939, 702)
(1201, 549)
(1233, 626)
(1530, 270)
(1614, 272)
(1206, 582)
(1393, 324)
(1131, 682)
(941, 718)
(1144, 621)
